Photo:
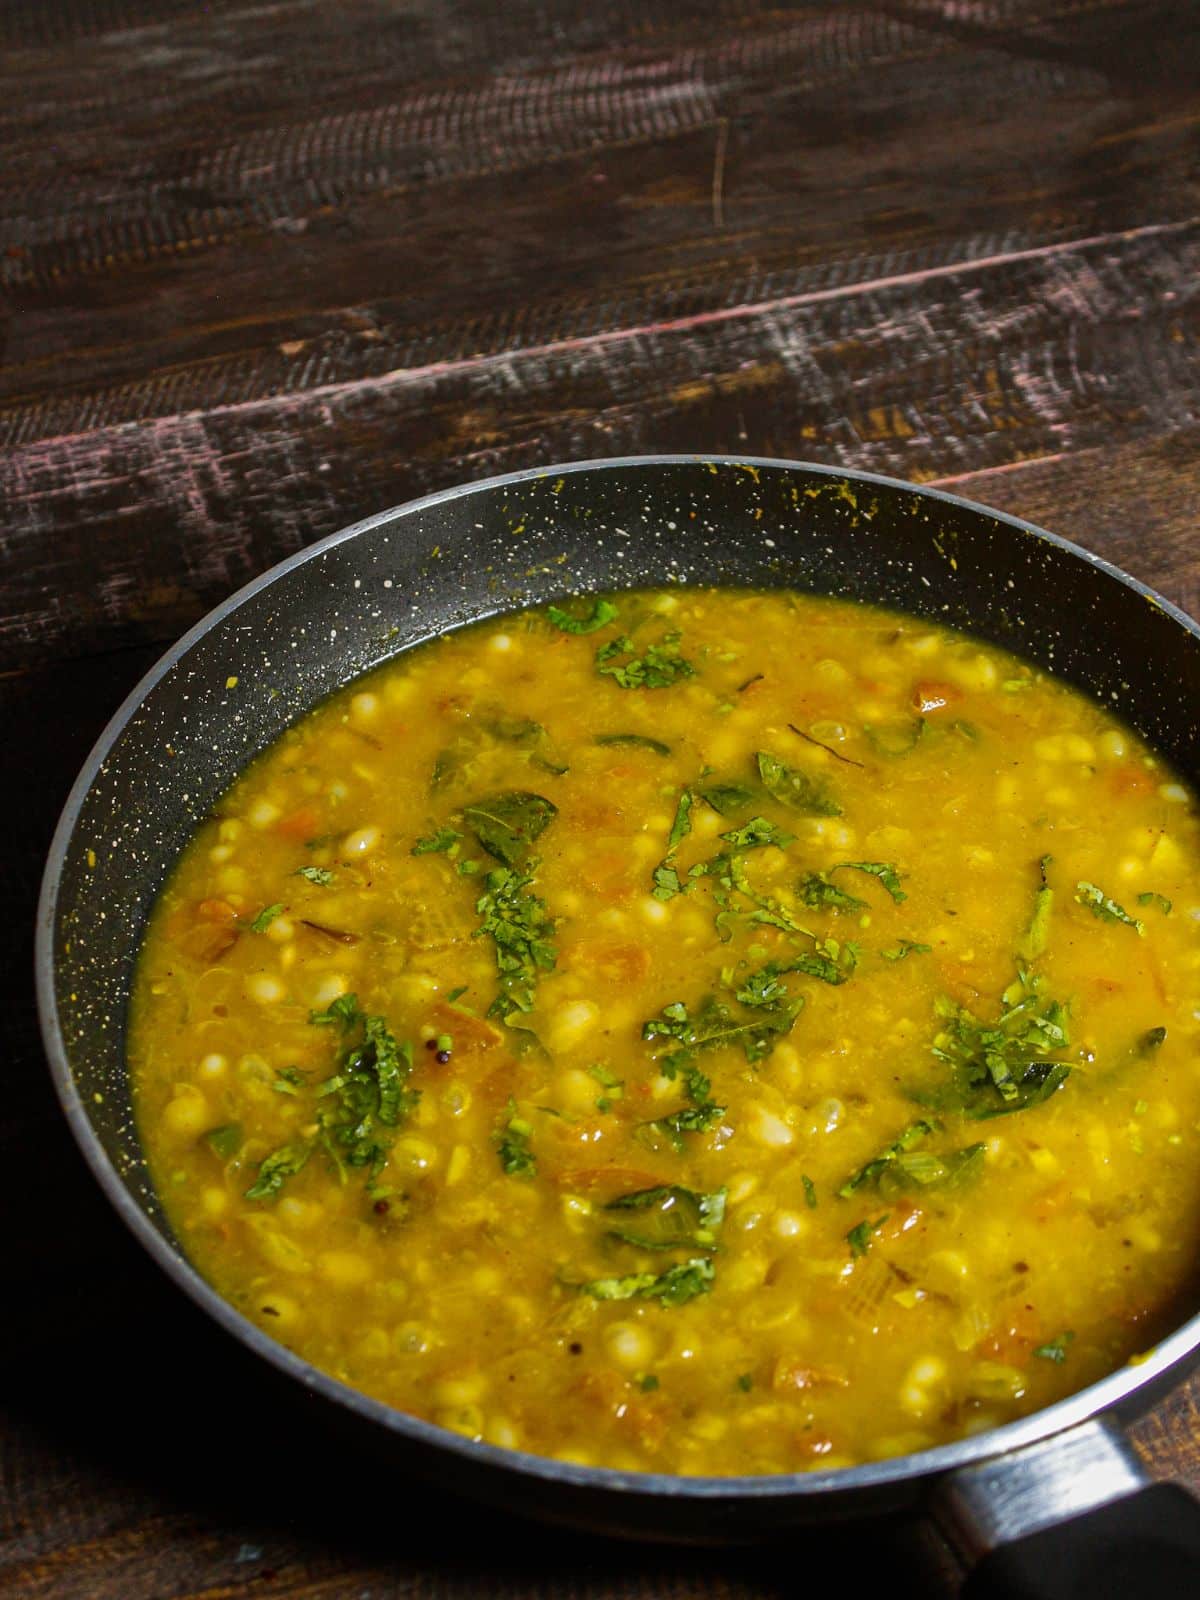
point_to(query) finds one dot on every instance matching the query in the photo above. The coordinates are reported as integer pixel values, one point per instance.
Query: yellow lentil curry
(699, 1031)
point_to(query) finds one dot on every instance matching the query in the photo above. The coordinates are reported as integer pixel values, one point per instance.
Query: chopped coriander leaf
(276, 1168)
(905, 947)
(647, 1383)
(266, 917)
(669, 1217)
(659, 668)
(508, 824)
(885, 871)
(522, 933)
(437, 843)
(795, 789)
(715, 1025)
(917, 1170)
(289, 1080)
(859, 1237)
(816, 891)
(666, 1133)
(1159, 900)
(870, 1171)
(745, 1382)
(512, 1140)
(360, 1105)
(682, 825)
(634, 741)
(318, 875)
(226, 1140)
(667, 882)
(674, 1287)
(1004, 1066)
(758, 831)
(1104, 907)
(602, 612)
(1055, 1349)
(344, 1011)
(810, 1191)
(1151, 1040)
(614, 1088)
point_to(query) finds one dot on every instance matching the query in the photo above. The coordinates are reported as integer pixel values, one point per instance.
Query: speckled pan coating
(279, 646)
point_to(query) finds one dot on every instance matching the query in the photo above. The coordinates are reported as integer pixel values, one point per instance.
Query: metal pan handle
(1073, 1517)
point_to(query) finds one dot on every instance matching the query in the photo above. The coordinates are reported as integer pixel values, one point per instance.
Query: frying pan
(1052, 1505)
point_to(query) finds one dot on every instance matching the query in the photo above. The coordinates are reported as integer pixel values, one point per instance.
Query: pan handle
(1073, 1517)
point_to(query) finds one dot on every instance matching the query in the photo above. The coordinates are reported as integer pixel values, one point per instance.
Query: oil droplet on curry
(699, 1031)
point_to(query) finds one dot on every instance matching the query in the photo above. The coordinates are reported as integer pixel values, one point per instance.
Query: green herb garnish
(715, 1025)
(860, 1236)
(319, 875)
(670, 1217)
(659, 668)
(1104, 907)
(904, 948)
(920, 1169)
(726, 798)
(266, 917)
(276, 1168)
(816, 891)
(758, 831)
(226, 1140)
(885, 871)
(636, 741)
(810, 1191)
(1055, 1349)
(1033, 942)
(1004, 1066)
(512, 1141)
(667, 882)
(507, 825)
(869, 1172)
(1159, 900)
(895, 739)
(522, 932)
(674, 1287)
(343, 1011)
(437, 843)
(602, 612)
(359, 1106)
(795, 789)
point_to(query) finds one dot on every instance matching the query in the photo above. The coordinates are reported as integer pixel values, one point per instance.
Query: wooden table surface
(267, 267)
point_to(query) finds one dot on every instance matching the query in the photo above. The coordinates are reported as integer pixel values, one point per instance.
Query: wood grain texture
(266, 268)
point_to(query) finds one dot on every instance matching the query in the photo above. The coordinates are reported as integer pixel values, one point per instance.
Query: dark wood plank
(264, 247)
(967, 367)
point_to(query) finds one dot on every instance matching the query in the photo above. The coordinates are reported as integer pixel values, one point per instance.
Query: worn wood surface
(265, 268)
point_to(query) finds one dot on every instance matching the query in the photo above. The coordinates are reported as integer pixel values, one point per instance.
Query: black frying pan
(1055, 1504)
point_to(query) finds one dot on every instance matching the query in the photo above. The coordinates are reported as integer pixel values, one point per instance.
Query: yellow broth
(838, 1095)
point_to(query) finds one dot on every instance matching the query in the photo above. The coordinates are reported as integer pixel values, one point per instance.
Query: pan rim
(1107, 1395)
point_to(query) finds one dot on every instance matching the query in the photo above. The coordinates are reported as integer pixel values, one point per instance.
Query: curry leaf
(506, 825)
(796, 789)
